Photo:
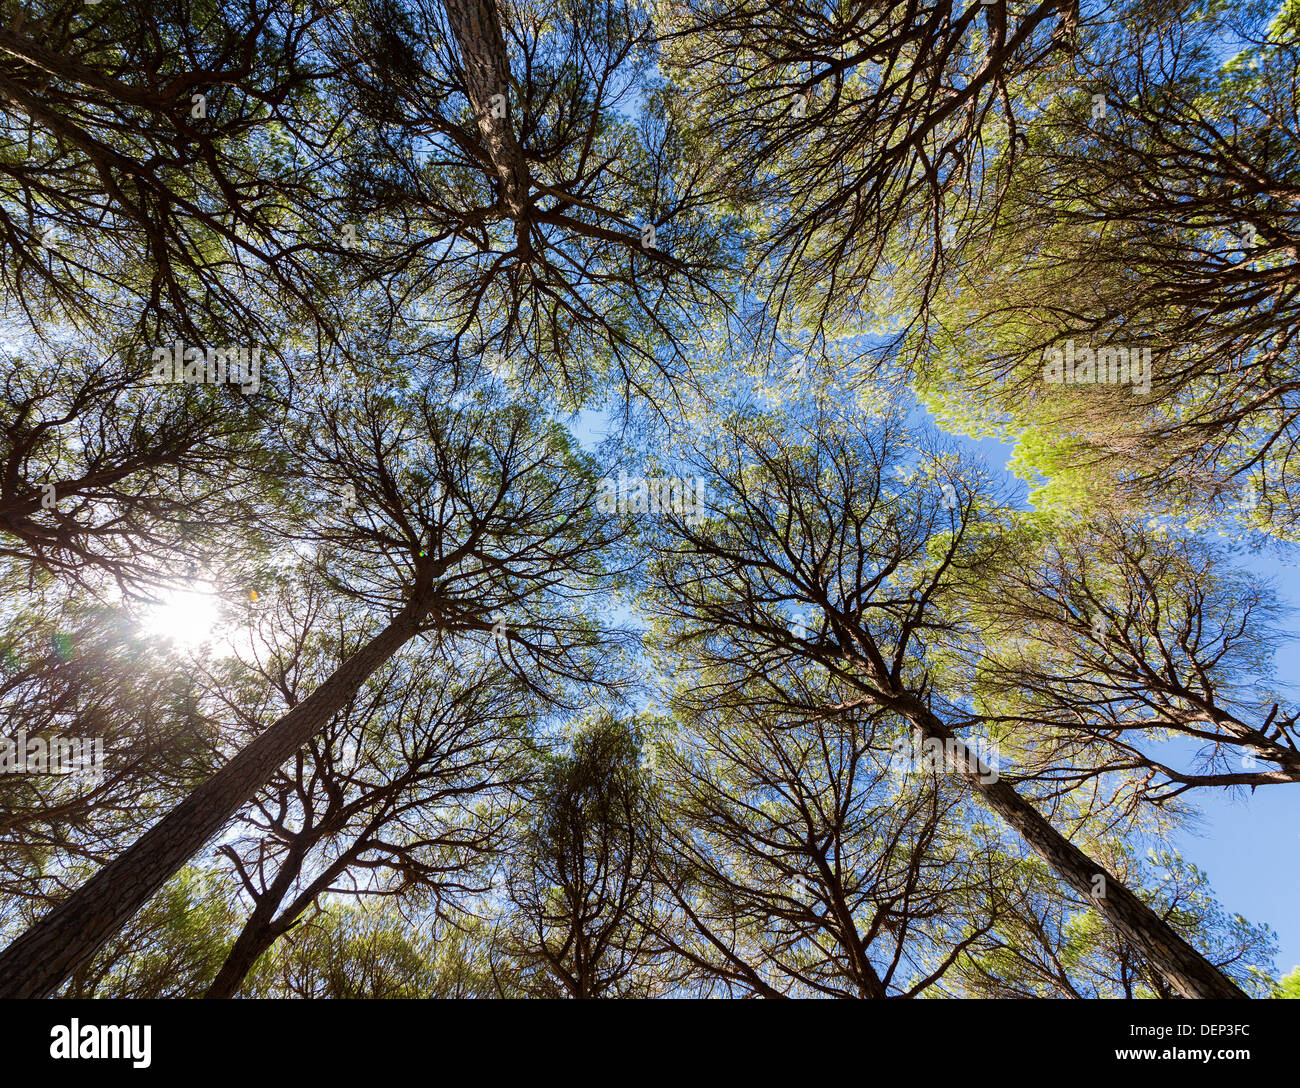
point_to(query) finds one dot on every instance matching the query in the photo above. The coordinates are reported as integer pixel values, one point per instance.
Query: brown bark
(38, 961)
(477, 29)
(259, 933)
(1190, 973)
(263, 927)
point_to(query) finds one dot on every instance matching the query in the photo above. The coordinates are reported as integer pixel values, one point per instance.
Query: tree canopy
(487, 507)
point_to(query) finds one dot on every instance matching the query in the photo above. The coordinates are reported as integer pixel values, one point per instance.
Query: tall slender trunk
(477, 28)
(263, 927)
(65, 938)
(260, 932)
(1190, 973)
(260, 929)
(863, 974)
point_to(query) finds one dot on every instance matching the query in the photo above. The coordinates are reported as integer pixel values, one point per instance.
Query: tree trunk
(477, 29)
(260, 930)
(1190, 973)
(43, 957)
(263, 928)
(258, 934)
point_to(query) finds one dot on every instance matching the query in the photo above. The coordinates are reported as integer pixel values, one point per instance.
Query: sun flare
(186, 616)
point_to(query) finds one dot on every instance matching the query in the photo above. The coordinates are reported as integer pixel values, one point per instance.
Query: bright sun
(186, 616)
